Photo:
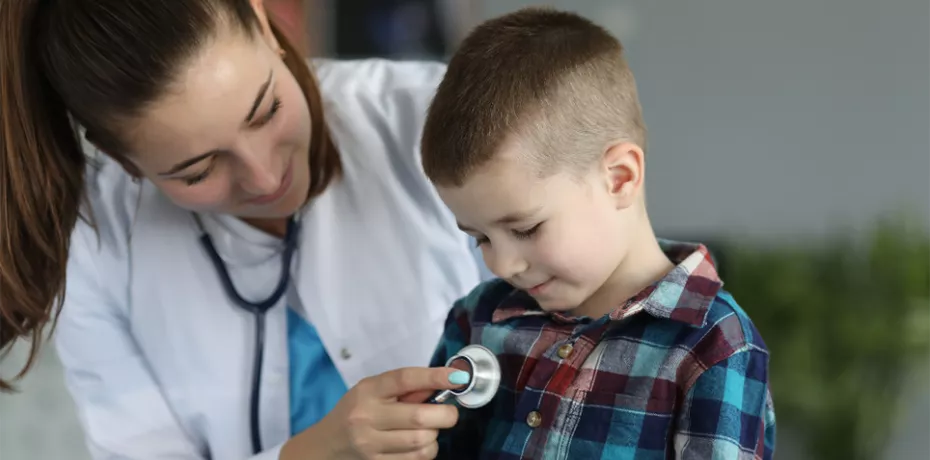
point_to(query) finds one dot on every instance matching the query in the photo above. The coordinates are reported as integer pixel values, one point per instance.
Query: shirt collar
(685, 294)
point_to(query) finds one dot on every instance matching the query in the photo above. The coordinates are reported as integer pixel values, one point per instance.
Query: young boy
(613, 344)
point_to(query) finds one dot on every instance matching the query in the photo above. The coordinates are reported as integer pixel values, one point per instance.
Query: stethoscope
(485, 371)
(480, 363)
(258, 309)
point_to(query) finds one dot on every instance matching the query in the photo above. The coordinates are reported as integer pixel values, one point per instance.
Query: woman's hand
(382, 417)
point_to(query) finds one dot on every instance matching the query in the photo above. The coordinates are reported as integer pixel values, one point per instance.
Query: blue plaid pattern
(679, 371)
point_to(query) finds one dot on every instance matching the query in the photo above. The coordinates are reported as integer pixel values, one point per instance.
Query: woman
(218, 151)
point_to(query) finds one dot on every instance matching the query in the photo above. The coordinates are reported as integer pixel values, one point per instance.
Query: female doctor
(256, 265)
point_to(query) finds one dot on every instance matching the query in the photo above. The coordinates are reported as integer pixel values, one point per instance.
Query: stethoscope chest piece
(485, 372)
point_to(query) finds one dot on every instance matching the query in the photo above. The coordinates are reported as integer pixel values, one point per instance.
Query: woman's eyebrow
(259, 97)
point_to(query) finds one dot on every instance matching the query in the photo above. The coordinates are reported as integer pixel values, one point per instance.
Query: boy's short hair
(551, 80)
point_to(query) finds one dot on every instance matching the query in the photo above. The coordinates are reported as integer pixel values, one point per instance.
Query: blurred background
(792, 137)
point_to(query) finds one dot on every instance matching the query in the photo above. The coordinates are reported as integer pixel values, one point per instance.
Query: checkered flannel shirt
(679, 371)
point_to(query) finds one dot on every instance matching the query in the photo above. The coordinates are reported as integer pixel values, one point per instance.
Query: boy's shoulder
(691, 305)
(728, 317)
(726, 330)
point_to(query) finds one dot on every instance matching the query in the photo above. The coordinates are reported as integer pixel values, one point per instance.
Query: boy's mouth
(539, 288)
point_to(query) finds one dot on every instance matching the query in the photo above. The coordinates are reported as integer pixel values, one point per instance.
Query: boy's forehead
(506, 175)
(511, 162)
(501, 192)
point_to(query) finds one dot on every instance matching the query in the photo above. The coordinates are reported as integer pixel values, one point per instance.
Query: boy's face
(559, 238)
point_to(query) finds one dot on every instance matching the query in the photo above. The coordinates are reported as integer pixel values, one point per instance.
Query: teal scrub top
(316, 385)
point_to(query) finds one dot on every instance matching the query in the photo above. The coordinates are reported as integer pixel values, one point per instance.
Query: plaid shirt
(679, 371)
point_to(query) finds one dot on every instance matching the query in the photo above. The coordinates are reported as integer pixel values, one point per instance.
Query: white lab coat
(158, 358)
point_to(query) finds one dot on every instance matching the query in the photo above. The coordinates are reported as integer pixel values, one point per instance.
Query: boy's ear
(623, 165)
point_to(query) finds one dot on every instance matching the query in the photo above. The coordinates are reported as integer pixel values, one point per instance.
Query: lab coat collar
(238, 243)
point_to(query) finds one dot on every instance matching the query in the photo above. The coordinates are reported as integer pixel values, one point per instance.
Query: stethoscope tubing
(258, 310)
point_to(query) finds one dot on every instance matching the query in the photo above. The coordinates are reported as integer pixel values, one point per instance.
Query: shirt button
(345, 353)
(534, 419)
(565, 351)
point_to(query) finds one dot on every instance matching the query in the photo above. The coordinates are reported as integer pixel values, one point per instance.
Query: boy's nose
(506, 264)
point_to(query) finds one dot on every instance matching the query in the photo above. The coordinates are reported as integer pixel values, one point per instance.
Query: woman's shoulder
(375, 109)
(99, 243)
(111, 199)
(377, 77)
(391, 97)
(109, 189)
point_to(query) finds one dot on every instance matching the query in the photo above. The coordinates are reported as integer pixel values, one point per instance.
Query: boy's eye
(518, 234)
(526, 234)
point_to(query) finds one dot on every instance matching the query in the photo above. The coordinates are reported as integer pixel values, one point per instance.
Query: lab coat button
(345, 353)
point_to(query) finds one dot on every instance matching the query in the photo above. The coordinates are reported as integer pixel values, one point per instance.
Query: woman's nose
(259, 177)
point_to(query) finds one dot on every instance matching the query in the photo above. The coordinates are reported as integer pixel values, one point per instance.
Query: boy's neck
(643, 265)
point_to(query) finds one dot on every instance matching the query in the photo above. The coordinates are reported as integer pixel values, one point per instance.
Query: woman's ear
(262, 14)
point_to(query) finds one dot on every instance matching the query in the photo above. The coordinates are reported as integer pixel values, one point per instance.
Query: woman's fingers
(428, 452)
(400, 382)
(406, 416)
(417, 396)
(371, 422)
(404, 441)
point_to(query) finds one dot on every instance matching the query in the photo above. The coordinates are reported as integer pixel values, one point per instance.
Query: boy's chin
(555, 305)
(567, 304)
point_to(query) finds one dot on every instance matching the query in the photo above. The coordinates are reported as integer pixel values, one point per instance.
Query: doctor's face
(231, 135)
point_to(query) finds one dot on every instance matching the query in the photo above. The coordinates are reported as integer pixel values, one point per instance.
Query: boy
(612, 344)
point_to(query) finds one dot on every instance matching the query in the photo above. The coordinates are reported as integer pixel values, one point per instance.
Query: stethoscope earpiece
(481, 364)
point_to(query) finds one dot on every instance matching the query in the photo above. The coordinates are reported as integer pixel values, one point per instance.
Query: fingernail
(459, 378)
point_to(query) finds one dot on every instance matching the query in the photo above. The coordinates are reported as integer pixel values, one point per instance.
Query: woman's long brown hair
(324, 159)
(92, 63)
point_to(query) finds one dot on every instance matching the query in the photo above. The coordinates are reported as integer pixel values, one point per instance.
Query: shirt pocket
(623, 425)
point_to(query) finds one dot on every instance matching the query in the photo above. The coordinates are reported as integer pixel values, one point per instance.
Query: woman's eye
(481, 240)
(199, 177)
(275, 106)
(194, 180)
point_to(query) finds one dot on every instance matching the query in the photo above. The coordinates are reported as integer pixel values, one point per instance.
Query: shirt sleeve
(728, 412)
(120, 407)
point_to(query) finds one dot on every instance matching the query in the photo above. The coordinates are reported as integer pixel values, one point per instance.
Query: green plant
(845, 322)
